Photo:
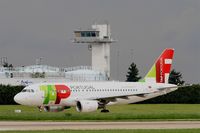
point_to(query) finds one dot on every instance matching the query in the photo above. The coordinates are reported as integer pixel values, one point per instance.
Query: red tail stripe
(161, 67)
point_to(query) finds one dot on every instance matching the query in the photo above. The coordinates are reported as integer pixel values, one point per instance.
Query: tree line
(7, 94)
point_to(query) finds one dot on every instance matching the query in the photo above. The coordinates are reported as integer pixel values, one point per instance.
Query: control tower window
(83, 34)
(88, 34)
(77, 34)
(93, 34)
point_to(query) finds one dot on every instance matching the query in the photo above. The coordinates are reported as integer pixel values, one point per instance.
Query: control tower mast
(98, 39)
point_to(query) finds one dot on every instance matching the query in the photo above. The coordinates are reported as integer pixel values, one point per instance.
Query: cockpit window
(24, 90)
(28, 90)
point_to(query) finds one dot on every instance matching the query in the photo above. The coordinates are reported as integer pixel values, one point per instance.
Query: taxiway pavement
(30, 125)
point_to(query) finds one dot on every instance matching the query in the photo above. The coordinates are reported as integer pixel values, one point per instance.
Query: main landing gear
(102, 105)
(104, 110)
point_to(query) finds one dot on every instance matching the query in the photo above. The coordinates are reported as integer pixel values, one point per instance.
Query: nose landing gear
(41, 108)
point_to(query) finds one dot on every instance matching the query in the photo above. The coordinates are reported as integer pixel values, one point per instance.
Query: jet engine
(54, 108)
(87, 105)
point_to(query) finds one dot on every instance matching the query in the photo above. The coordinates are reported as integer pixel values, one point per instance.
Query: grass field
(134, 112)
(113, 131)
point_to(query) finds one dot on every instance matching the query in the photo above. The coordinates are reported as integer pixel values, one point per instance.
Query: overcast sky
(44, 28)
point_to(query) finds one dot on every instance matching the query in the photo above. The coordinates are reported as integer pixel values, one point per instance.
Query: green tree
(7, 94)
(176, 78)
(132, 74)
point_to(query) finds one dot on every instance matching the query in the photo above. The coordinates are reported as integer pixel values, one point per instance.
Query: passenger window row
(108, 90)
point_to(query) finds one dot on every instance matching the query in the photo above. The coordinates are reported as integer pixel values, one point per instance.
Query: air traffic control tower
(98, 39)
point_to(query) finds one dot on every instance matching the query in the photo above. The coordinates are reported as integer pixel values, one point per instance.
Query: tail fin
(160, 71)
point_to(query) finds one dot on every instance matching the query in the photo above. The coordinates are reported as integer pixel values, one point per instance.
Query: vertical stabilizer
(160, 71)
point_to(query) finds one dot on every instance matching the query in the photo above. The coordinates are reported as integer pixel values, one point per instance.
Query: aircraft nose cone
(18, 99)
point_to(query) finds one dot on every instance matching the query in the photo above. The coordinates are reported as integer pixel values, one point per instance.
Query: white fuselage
(46, 94)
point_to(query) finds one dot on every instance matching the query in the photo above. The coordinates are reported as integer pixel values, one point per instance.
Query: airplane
(91, 96)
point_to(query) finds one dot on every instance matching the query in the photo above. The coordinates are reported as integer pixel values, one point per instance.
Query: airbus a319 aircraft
(90, 96)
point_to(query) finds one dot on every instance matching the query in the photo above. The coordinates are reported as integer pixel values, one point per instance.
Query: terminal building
(98, 38)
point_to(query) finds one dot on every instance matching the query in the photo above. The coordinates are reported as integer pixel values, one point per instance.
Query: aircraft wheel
(105, 111)
(40, 108)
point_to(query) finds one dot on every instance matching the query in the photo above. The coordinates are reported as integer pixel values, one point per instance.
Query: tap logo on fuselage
(54, 93)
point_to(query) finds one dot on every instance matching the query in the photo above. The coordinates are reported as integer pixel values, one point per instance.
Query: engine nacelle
(87, 106)
(55, 108)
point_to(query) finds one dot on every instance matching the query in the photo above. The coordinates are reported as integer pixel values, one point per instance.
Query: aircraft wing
(167, 88)
(113, 98)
